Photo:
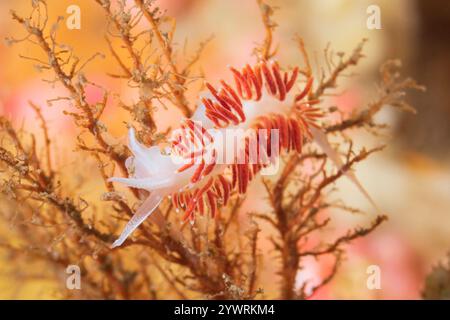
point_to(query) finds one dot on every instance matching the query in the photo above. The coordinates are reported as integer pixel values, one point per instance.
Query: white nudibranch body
(193, 171)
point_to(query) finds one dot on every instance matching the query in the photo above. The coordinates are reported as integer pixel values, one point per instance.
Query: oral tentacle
(144, 211)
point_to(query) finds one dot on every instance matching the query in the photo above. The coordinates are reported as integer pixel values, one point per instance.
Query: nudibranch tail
(321, 139)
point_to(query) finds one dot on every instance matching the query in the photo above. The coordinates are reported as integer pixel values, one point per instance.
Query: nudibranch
(263, 97)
